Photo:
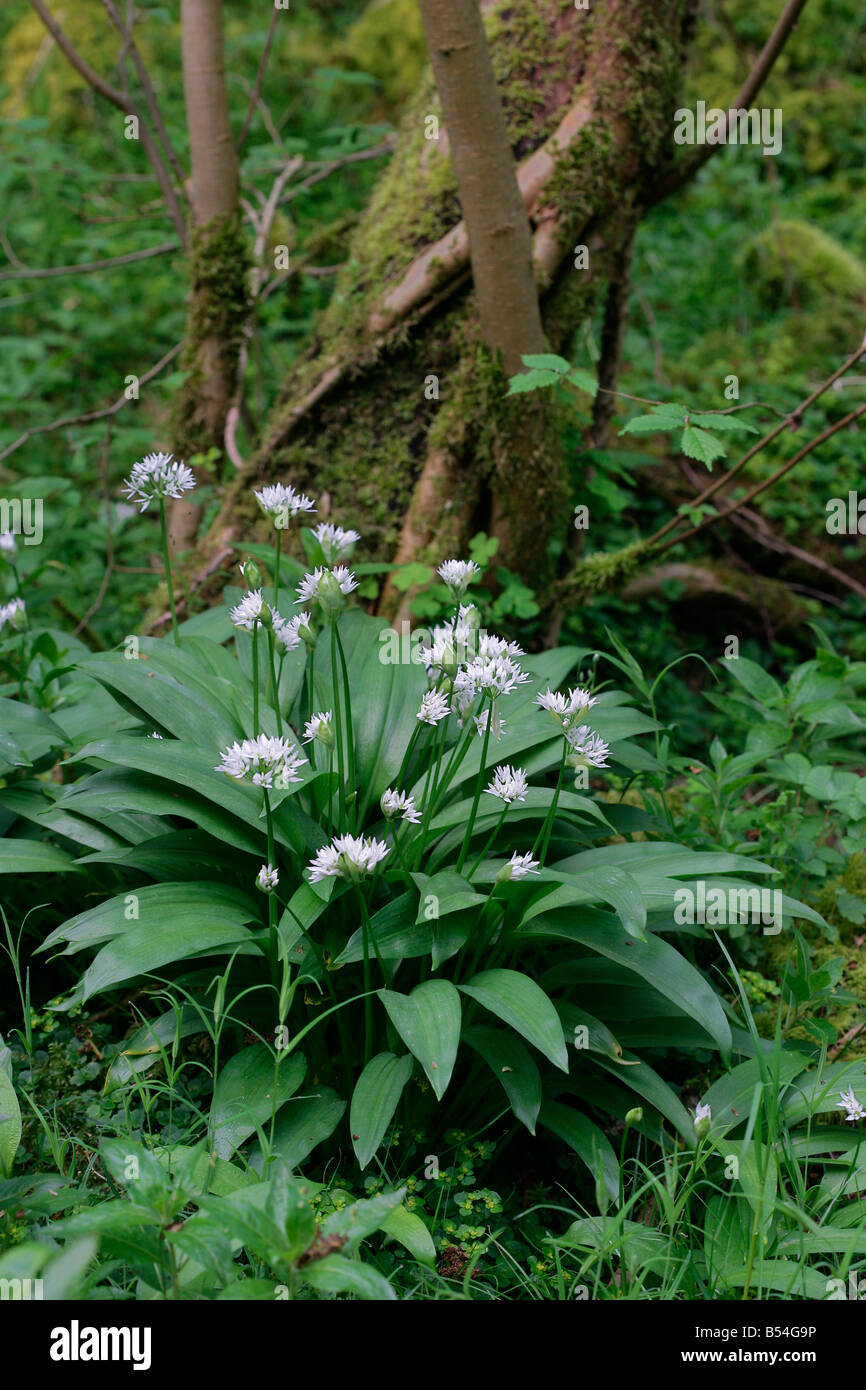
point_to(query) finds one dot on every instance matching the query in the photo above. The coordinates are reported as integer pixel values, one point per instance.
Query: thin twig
(762, 486)
(794, 420)
(88, 267)
(686, 170)
(105, 89)
(91, 415)
(257, 85)
(129, 45)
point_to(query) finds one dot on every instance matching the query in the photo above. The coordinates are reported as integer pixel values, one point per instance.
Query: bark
(218, 258)
(588, 100)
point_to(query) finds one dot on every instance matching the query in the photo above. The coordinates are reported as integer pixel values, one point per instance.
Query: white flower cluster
(269, 762)
(249, 614)
(155, 476)
(319, 726)
(458, 575)
(518, 866)
(587, 749)
(326, 586)
(282, 503)
(394, 803)
(349, 857)
(566, 709)
(509, 784)
(267, 878)
(334, 541)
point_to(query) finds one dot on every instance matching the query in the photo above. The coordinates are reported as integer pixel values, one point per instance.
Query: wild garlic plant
(441, 905)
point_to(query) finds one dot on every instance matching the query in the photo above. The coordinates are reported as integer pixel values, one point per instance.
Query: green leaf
(584, 381)
(711, 420)
(374, 1101)
(524, 1006)
(532, 381)
(250, 1089)
(34, 857)
(758, 682)
(308, 1121)
(656, 962)
(546, 361)
(513, 1068)
(701, 445)
(408, 1228)
(336, 1274)
(10, 1125)
(428, 1021)
(587, 1140)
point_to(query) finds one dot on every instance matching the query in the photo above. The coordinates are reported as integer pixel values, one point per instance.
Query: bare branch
(686, 170)
(88, 267)
(104, 89)
(91, 415)
(131, 47)
(257, 85)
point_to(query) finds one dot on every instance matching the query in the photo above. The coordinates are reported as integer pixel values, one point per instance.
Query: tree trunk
(219, 259)
(397, 413)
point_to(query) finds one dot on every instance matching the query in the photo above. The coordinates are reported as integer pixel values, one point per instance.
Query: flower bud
(252, 574)
(330, 595)
(634, 1117)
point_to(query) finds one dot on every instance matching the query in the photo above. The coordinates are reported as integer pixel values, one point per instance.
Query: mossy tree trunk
(396, 417)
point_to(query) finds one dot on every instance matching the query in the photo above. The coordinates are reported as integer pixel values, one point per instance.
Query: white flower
(292, 632)
(703, 1118)
(248, 613)
(490, 646)
(393, 801)
(441, 655)
(335, 542)
(9, 613)
(273, 762)
(158, 475)
(320, 727)
(490, 675)
(434, 706)
(7, 542)
(509, 784)
(587, 748)
(565, 708)
(518, 866)
(324, 585)
(458, 575)
(280, 502)
(496, 726)
(347, 856)
(851, 1105)
(267, 878)
(154, 735)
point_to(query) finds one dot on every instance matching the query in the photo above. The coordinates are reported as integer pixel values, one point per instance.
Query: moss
(600, 572)
(219, 267)
(794, 261)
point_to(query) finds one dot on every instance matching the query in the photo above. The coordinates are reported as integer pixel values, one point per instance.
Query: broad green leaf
(758, 682)
(374, 1101)
(587, 1140)
(513, 1068)
(250, 1090)
(524, 1006)
(300, 1126)
(428, 1021)
(148, 946)
(10, 1125)
(34, 857)
(408, 1228)
(653, 960)
(182, 904)
(336, 1274)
